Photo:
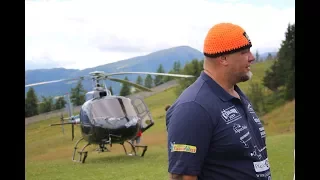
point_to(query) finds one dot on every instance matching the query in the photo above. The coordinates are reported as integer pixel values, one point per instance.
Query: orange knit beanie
(225, 38)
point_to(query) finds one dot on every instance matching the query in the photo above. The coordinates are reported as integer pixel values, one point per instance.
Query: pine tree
(148, 81)
(139, 80)
(46, 105)
(281, 73)
(192, 68)
(110, 89)
(31, 103)
(159, 79)
(126, 89)
(176, 67)
(78, 94)
(60, 103)
(257, 56)
(269, 57)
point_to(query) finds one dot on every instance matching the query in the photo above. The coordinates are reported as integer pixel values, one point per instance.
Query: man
(213, 130)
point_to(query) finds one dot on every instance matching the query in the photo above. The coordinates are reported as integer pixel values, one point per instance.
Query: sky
(79, 34)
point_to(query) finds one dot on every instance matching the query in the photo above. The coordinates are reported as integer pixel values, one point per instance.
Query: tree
(288, 56)
(193, 68)
(46, 105)
(281, 73)
(271, 79)
(269, 57)
(176, 67)
(139, 80)
(159, 79)
(31, 103)
(110, 89)
(257, 56)
(256, 96)
(175, 70)
(148, 81)
(60, 103)
(126, 89)
(78, 94)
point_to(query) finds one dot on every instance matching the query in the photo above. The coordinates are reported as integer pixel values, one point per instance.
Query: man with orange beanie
(213, 130)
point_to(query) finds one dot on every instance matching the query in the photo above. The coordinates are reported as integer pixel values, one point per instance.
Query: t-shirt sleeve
(189, 135)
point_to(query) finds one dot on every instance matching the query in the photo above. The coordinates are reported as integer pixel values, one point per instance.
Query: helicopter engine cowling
(109, 117)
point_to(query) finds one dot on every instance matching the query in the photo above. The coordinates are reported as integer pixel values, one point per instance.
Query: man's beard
(246, 77)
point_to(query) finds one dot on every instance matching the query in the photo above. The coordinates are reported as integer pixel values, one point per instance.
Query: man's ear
(223, 60)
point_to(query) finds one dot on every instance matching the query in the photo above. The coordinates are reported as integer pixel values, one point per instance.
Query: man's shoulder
(197, 96)
(199, 93)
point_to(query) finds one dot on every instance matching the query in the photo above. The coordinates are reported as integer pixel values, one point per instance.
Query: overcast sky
(81, 34)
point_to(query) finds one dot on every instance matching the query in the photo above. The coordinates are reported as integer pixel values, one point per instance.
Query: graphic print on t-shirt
(231, 114)
(257, 120)
(243, 133)
(238, 128)
(262, 168)
(257, 152)
(255, 117)
(261, 165)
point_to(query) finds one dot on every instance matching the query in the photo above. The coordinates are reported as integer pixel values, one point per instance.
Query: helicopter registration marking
(183, 148)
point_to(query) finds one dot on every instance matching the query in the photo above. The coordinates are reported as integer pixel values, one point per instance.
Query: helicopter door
(143, 113)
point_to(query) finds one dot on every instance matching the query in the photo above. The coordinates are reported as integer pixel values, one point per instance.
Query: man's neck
(223, 81)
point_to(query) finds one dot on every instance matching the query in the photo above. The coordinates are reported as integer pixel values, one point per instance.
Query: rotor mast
(98, 82)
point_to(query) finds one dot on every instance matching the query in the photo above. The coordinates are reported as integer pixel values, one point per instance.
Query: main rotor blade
(54, 81)
(152, 73)
(130, 83)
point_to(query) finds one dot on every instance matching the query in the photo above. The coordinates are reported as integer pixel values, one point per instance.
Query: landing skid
(134, 148)
(82, 152)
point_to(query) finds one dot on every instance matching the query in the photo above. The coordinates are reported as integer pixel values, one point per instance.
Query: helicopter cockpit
(111, 112)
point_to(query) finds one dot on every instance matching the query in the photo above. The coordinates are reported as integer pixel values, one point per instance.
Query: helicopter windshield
(111, 108)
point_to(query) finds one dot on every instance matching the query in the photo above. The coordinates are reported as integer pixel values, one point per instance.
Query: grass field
(48, 151)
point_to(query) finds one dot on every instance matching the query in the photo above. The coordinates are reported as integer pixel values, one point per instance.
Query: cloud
(82, 34)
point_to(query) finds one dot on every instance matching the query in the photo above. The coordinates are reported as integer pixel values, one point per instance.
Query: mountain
(149, 63)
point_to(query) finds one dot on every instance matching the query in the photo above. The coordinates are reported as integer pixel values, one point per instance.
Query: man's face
(239, 65)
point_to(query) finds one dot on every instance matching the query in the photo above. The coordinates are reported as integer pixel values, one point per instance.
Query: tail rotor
(72, 121)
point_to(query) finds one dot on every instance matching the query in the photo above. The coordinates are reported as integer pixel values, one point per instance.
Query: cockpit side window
(84, 117)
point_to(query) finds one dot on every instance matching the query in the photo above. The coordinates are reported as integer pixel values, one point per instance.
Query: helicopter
(107, 119)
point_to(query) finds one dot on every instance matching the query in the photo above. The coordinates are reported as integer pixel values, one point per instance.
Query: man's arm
(181, 177)
(189, 135)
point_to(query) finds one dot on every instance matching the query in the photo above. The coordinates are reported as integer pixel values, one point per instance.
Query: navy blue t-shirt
(215, 136)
